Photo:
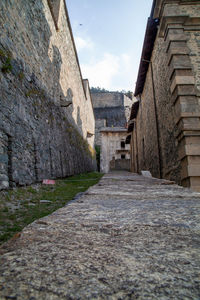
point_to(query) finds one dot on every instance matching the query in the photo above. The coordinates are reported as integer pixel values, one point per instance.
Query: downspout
(136, 146)
(156, 119)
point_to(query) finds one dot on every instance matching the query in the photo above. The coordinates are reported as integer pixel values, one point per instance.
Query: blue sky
(109, 40)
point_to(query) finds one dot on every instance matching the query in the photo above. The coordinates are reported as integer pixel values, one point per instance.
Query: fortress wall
(42, 134)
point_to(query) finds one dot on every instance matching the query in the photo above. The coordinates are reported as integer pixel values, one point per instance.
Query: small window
(122, 144)
(123, 156)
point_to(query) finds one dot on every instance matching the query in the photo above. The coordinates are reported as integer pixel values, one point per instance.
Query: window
(122, 144)
(123, 156)
(54, 6)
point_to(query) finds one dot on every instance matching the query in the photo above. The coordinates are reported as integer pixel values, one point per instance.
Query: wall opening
(123, 156)
(123, 144)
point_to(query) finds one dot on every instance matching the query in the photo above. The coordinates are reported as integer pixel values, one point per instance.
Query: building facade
(46, 116)
(165, 123)
(115, 153)
(112, 111)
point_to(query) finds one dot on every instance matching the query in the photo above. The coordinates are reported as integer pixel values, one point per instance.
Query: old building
(46, 115)
(112, 111)
(115, 153)
(165, 122)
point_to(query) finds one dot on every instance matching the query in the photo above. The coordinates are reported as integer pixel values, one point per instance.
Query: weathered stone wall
(148, 143)
(111, 109)
(111, 150)
(107, 99)
(166, 138)
(42, 134)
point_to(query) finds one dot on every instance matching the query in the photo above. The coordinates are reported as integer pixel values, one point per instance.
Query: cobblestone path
(128, 237)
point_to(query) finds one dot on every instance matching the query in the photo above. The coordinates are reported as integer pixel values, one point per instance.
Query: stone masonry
(111, 109)
(166, 136)
(128, 237)
(46, 115)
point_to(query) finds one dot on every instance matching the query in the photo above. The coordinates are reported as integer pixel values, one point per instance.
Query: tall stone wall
(150, 144)
(45, 112)
(166, 135)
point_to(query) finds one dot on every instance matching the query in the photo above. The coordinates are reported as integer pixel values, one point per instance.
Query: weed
(34, 92)
(6, 57)
(7, 67)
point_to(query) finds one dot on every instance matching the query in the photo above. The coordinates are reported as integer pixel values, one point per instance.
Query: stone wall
(111, 109)
(166, 137)
(46, 113)
(112, 150)
(107, 99)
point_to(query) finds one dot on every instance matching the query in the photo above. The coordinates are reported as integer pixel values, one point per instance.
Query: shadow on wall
(42, 142)
(114, 116)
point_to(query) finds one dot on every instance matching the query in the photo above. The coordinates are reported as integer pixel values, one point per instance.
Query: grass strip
(21, 206)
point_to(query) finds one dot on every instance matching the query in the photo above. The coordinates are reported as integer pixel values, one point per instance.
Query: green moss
(30, 209)
(6, 67)
(35, 92)
(6, 57)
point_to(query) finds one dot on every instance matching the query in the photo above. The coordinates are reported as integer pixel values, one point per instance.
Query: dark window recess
(54, 6)
(122, 144)
(123, 156)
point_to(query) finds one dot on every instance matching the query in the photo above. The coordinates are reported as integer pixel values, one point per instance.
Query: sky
(109, 36)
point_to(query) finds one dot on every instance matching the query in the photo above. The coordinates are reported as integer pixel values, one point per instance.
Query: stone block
(187, 119)
(181, 80)
(195, 183)
(179, 49)
(194, 170)
(187, 105)
(181, 72)
(183, 90)
(180, 61)
(191, 149)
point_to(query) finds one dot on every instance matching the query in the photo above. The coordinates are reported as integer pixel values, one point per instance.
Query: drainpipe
(156, 118)
(136, 140)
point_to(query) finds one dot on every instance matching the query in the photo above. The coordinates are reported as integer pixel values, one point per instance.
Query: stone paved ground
(128, 237)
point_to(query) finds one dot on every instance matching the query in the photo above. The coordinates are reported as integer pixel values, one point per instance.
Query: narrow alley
(128, 237)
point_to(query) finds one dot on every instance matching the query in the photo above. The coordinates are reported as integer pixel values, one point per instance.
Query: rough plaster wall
(89, 115)
(146, 127)
(99, 123)
(110, 143)
(42, 141)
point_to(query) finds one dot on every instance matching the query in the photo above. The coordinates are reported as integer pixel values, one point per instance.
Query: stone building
(46, 115)
(115, 153)
(165, 122)
(112, 111)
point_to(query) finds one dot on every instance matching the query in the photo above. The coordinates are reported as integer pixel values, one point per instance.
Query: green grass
(28, 206)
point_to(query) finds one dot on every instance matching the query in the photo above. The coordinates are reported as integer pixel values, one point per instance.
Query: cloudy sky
(109, 36)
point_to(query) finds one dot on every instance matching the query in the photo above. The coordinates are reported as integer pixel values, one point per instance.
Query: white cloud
(103, 71)
(83, 43)
(109, 71)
